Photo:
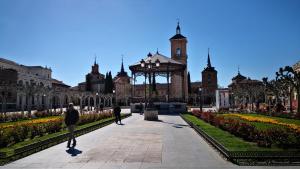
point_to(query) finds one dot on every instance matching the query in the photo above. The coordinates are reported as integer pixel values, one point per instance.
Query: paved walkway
(138, 144)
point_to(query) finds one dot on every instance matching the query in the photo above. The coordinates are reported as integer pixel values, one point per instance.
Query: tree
(106, 83)
(189, 84)
(272, 87)
(110, 83)
(288, 74)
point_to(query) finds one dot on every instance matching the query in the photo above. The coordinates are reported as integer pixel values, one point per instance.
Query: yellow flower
(264, 120)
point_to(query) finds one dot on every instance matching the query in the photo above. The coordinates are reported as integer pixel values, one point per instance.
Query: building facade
(179, 53)
(122, 87)
(209, 83)
(246, 93)
(95, 80)
(222, 99)
(8, 94)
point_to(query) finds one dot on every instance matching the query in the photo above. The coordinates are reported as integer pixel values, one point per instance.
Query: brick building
(209, 83)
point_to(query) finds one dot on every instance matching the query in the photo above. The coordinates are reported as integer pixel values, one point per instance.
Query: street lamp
(142, 63)
(157, 63)
(200, 98)
(96, 102)
(44, 101)
(149, 67)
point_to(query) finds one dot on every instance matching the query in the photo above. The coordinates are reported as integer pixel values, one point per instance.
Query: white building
(38, 74)
(222, 98)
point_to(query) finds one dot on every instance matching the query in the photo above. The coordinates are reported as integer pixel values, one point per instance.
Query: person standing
(117, 113)
(71, 118)
(141, 108)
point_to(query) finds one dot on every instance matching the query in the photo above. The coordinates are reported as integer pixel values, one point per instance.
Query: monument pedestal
(151, 115)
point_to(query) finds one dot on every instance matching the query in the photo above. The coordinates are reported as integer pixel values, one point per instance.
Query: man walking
(117, 113)
(71, 118)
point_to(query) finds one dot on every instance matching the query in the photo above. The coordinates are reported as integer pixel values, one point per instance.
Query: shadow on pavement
(73, 151)
(176, 125)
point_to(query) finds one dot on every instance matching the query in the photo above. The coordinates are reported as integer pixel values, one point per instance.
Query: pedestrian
(117, 113)
(101, 108)
(71, 118)
(141, 108)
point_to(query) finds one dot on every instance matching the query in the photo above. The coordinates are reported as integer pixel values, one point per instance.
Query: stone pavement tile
(153, 157)
(135, 156)
(93, 165)
(73, 165)
(118, 156)
(151, 165)
(14, 165)
(131, 165)
(141, 148)
(111, 166)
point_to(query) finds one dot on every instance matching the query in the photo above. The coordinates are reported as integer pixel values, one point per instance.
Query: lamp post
(44, 101)
(200, 98)
(149, 68)
(96, 103)
(114, 91)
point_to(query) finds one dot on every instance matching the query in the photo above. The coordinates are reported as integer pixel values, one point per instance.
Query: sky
(258, 36)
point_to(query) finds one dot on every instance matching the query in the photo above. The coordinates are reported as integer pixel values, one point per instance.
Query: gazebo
(157, 65)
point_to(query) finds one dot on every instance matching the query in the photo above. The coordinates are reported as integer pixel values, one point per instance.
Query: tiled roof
(178, 36)
(161, 58)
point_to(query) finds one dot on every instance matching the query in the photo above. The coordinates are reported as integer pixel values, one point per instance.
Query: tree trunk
(291, 100)
(298, 98)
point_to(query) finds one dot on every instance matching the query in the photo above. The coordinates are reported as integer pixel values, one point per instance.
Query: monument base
(151, 115)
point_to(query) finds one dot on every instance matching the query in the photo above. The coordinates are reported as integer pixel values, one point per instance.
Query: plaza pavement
(138, 144)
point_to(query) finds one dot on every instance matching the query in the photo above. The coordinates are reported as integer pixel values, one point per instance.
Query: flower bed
(264, 120)
(239, 151)
(286, 136)
(21, 131)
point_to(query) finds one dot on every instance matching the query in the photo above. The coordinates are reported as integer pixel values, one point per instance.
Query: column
(95, 102)
(89, 103)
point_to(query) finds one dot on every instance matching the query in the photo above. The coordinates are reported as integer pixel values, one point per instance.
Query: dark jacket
(72, 117)
(117, 111)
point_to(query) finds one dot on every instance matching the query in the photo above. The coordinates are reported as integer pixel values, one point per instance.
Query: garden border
(36, 147)
(250, 158)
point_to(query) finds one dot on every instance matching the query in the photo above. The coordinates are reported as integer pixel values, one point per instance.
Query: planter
(151, 115)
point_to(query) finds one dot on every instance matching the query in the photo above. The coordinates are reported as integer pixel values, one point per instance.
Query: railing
(289, 158)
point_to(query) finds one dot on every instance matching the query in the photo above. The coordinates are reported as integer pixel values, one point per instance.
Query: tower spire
(122, 66)
(95, 62)
(208, 60)
(178, 27)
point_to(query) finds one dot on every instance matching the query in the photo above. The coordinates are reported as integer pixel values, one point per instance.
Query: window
(178, 52)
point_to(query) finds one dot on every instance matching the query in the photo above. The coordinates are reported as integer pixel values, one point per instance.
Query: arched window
(178, 52)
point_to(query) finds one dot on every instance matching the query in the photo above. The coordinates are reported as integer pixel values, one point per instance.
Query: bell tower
(179, 88)
(178, 46)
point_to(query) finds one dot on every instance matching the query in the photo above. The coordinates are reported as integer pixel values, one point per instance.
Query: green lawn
(231, 142)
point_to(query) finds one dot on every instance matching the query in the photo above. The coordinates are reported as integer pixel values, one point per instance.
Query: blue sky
(259, 36)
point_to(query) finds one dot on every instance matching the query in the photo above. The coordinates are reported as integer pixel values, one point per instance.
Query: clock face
(178, 51)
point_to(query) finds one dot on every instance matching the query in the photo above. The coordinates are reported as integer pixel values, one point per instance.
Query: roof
(239, 76)
(178, 36)
(161, 58)
(55, 81)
